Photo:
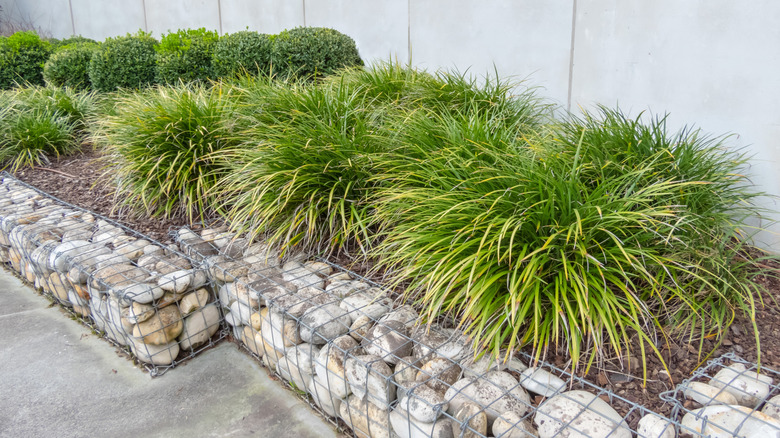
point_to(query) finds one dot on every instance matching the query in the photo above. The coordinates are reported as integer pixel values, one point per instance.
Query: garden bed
(79, 180)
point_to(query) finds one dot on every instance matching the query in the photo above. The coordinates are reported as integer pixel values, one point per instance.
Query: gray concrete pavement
(59, 379)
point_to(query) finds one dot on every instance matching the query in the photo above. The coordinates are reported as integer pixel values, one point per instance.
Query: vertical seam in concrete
(146, 25)
(304, 12)
(219, 13)
(571, 52)
(409, 31)
(72, 21)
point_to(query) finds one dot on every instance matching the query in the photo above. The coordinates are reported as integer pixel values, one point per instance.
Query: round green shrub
(245, 51)
(78, 39)
(67, 67)
(124, 62)
(311, 52)
(186, 55)
(22, 56)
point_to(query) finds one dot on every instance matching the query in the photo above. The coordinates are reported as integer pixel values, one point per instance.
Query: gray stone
(497, 392)
(278, 331)
(439, 374)
(370, 377)
(345, 288)
(242, 312)
(321, 324)
(772, 407)
(405, 315)
(296, 304)
(361, 327)
(405, 374)
(143, 293)
(388, 340)
(579, 414)
(301, 277)
(448, 343)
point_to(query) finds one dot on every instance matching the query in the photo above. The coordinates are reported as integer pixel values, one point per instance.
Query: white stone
(369, 376)
(177, 281)
(579, 414)
(474, 367)
(277, 330)
(496, 391)
(154, 354)
(143, 293)
(772, 407)
(345, 288)
(321, 324)
(708, 395)
(748, 387)
(542, 382)
(330, 365)
(423, 403)
(199, 327)
(193, 301)
(301, 277)
(448, 343)
(653, 426)
(727, 421)
(365, 418)
(59, 255)
(297, 365)
(324, 398)
(406, 426)
(372, 302)
(511, 425)
(242, 312)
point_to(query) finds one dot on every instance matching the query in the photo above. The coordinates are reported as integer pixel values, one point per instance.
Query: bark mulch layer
(81, 180)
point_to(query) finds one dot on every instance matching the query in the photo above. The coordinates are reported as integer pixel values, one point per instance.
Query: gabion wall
(141, 295)
(360, 357)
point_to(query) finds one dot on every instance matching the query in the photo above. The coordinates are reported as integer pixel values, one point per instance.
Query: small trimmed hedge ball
(312, 52)
(242, 52)
(124, 62)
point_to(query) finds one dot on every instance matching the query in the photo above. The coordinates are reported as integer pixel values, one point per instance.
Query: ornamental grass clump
(40, 123)
(304, 179)
(566, 238)
(165, 145)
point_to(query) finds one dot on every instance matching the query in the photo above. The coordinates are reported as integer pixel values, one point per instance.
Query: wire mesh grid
(364, 359)
(729, 397)
(138, 293)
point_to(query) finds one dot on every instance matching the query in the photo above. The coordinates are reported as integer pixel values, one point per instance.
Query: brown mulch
(80, 180)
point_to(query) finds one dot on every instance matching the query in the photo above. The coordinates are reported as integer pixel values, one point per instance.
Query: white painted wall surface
(711, 63)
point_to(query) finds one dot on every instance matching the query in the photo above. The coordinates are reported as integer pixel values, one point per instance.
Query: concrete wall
(712, 63)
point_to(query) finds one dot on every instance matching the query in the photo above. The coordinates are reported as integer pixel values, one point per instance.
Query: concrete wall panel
(712, 63)
(51, 18)
(172, 15)
(107, 18)
(266, 16)
(380, 28)
(524, 38)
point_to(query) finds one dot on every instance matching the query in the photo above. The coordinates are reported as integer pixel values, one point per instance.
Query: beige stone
(162, 328)
(193, 301)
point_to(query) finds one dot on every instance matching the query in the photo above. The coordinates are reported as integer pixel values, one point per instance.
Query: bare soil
(81, 180)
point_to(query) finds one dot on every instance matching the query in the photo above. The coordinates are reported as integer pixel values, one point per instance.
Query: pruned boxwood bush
(186, 55)
(242, 52)
(311, 52)
(22, 56)
(124, 62)
(78, 39)
(68, 66)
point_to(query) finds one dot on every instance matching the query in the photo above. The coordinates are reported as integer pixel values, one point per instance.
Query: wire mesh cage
(142, 295)
(365, 359)
(729, 397)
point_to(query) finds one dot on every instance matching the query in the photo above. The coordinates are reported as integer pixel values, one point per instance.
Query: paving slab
(57, 378)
